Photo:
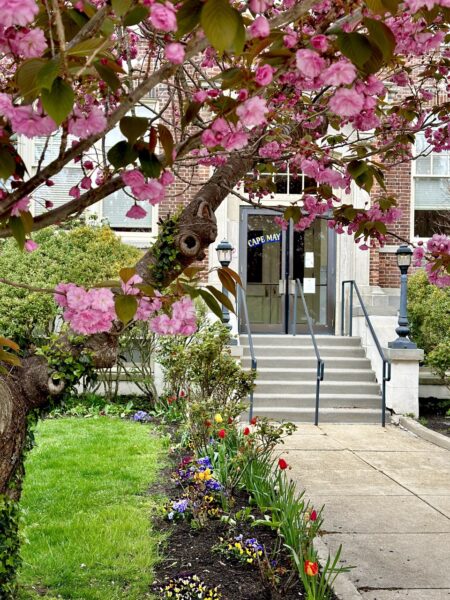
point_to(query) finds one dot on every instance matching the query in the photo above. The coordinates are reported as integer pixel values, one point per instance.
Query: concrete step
(326, 415)
(301, 362)
(326, 387)
(281, 401)
(307, 375)
(299, 340)
(306, 351)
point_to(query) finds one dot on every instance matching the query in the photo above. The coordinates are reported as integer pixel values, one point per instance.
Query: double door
(271, 261)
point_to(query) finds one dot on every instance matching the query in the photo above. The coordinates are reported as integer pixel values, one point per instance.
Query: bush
(84, 255)
(429, 315)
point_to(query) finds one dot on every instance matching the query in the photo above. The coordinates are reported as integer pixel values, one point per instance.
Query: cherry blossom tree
(336, 91)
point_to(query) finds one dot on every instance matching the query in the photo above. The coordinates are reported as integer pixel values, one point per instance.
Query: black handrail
(320, 362)
(243, 303)
(386, 375)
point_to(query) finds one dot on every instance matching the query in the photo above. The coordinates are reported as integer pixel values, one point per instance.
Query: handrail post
(294, 318)
(343, 308)
(250, 345)
(350, 325)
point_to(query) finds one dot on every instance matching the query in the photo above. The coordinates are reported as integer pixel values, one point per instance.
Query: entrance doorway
(270, 262)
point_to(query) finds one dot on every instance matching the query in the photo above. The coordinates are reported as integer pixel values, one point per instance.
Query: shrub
(429, 315)
(84, 255)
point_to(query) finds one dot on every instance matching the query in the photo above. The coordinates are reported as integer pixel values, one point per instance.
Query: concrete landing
(386, 494)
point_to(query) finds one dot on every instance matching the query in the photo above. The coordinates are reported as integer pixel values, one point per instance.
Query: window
(431, 183)
(114, 206)
(284, 183)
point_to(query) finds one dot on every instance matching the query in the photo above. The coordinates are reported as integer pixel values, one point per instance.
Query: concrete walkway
(387, 501)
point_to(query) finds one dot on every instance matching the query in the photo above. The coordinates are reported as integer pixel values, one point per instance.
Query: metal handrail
(243, 303)
(386, 375)
(320, 362)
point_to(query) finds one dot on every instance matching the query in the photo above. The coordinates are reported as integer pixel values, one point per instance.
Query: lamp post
(404, 256)
(224, 254)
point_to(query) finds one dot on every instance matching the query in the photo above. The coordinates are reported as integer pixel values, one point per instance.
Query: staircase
(286, 379)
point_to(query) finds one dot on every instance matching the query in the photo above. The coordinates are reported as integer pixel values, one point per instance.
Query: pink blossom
(200, 96)
(101, 299)
(21, 206)
(270, 150)
(163, 17)
(346, 102)
(6, 106)
(30, 245)
(281, 222)
(174, 52)
(339, 73)
(252, 111)
(152, 191)
(61, 293)
(258, 6)
(77, 298)
(74, 192)
(309, 63)
(18, 12)
(418, 256)
(319, 42)
(27, 121)
(86, 183)
(87, 121)
(167, 178)
(89, 321)
(264, 75)
(260, 28)
(136, 212)
(128, 287)
(182, 322)
(290, 39)
(133, 178)
(148, 306)
(236, 141)
(29, 44)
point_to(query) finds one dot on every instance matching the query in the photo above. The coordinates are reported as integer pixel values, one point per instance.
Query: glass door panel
(263, 266)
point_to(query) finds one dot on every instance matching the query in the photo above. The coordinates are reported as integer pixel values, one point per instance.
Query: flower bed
(238, 528)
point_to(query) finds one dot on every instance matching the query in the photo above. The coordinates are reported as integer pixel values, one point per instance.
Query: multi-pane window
(113, 208)
(431, 184)
(284, 183)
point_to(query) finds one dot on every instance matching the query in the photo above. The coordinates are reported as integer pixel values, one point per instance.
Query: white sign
(309, 285)
(309, 260)
(269, 238)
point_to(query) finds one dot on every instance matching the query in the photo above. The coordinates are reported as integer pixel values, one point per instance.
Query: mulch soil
(190, 551)
(440, 424)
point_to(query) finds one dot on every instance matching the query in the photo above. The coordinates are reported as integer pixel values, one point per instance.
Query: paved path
(387, 501)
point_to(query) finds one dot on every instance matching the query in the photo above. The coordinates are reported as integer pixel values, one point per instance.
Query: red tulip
(246, 431)
(182, 394)
(313, 516)
(253, 421)
(222, 433)
(282, 464)
(230, 420)
(311, 568)
(208, 423)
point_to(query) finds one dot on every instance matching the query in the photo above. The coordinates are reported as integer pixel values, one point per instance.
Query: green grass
(87, 514)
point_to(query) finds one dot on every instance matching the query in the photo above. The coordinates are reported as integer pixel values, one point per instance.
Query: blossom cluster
(438, 250)
(151, 190)
(189, 587)
(243, 550)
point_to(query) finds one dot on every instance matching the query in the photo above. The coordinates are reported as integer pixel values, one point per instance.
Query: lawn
(87, 513)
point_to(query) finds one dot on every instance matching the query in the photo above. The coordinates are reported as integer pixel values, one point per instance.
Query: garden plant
(249, 88)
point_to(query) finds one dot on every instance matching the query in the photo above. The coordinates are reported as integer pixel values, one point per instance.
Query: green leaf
(7, 342)
(381, 36)
(356, 168)
(18, 230)
(7, 163)
(9, 358)
(233, 275)
(166, 139)
(146, 289)
(127, 273)
(87, 47)
(227, 281)
(376, 6)
(221, 297)
(48, 73)
(293, 212)
(27, 220)
(126, 307)
(150, 165)
(26, 77)
(188, 17)
(133, 127)
(58, 102)
(191, 112)
(222, 24)
(355, 46)
(136, 15)
(120, 7)
(211, 302)
(122, 154)
(108, 75)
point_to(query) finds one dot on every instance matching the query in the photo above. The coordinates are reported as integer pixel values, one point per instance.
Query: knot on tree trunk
(198, 229)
